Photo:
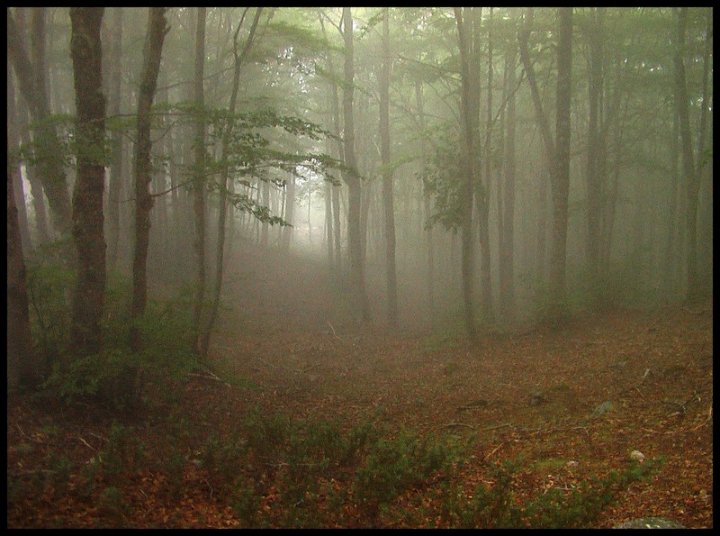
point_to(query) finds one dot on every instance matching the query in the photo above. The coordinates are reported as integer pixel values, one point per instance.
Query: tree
(692, 164)
(506, 257)
(87, 230)
(384, 82)
(114, 71)
(157, 29)
(557, 150)
(47, 146)
(23, 366)
(351, 178)
(225, 172)
(199, 177)
(469, 113)
(561, 176)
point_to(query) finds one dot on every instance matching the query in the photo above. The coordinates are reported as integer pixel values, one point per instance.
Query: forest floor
(525, 395)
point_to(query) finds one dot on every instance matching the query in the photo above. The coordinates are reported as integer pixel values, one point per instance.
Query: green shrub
(245, 501)
(495, 507)
(122, 453)
(393, 466)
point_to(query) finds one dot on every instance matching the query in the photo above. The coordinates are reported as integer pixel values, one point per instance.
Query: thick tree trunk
(87, 230)
(143, 171)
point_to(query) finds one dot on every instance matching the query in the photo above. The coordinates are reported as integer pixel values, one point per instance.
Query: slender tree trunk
(468, 112)
(507, 247)
(691, 165)
(384, 82)
(87, 230)
(426, 206)
(225, 179)
(23, 366)
(143, 171)
(116, 142)
(199, 173)
(351, 178)
(13, 138)
(561, 176)
(484, 185)
(47, 146)
(31, 173)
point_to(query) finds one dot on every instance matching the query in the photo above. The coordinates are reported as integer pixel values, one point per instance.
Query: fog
(196, 181)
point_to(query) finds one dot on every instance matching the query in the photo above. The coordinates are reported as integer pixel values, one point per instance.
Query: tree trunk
(14, 164)
(384, 82)
(561, 176)
(23, 367)
(691, 165)
(87, 230)
(47, 147)
(593, 173)
(507, 280)
(350, 176)
(199, 177)
(468, 112)
(225, 180)
(143, 171)
(116, 143)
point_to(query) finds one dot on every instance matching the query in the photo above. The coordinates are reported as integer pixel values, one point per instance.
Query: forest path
(538, 396)
(526, 394)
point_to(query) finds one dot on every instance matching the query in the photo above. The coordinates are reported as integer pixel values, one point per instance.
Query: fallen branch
(493, 451)
(505, 425)
(457, 425)
(86, 443)
(333, 330)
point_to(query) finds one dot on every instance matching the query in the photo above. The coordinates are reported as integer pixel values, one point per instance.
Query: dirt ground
(532, 394)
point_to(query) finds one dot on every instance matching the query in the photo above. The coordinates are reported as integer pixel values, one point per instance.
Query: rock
(650, 523)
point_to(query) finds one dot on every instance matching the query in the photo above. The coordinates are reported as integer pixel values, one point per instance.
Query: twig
(458, 425)
(493, 451)
(86, 443)
(209, 376)
(505, 425)
(333, 330)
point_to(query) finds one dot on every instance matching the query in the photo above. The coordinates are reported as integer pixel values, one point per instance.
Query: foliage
(392, 466)
(116, 377)
(495, 506)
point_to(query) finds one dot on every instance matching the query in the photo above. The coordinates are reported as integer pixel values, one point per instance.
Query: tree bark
(23, 367)
(87, 230)
(351, 177)
(225, 178)
(199, 180)
(47, 147)
(157, 28)
(507, 280)
(468, 112)
(691, 165)
(561, 176)
(116, 141)
(389, 210)
(13, 137)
